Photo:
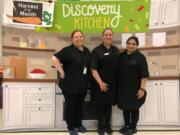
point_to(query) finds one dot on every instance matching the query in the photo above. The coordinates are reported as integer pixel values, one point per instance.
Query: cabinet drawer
(39, 116)
(35, 89)
(39, 100)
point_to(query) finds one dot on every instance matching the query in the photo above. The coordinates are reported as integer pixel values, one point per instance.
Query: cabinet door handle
(156, 84)
(156, 23)
(160, 83)
(39, 99)
(6, 86)
(39, 88)
(39, 108)
(162, 22)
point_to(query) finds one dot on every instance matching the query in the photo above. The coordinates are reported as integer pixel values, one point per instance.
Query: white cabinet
(170, 12)
(164, 13)
(60, 122)
(39, 107)
(13, 97)
(28, 105)
(150, 111)
(154, 13)
(162, 106)
(117, 117)
(39, 117)
(170, 102)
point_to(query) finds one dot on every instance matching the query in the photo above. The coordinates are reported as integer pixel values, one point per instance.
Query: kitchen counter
(172, 77)
(30, 80)
(37, 101)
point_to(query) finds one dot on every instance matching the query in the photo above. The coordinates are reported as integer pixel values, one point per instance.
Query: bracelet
(142, 89)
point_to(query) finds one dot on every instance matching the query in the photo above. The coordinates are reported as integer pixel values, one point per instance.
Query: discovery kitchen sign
(29, 13)
(94, 16)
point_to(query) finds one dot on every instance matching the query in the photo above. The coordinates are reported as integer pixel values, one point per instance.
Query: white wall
(1, 16)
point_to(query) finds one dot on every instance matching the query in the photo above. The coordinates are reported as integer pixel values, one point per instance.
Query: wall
(1, 15)
(11, 37)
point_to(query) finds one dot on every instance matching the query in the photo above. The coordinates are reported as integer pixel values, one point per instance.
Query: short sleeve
(144, 72)
(94, 60)
(116, 50)
(61, 55)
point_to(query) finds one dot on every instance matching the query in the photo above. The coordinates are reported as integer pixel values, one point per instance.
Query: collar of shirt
(74, 47)
(131, 54)
(104, 48)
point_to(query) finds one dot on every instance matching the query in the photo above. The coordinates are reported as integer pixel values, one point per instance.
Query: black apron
(129, 81)
(108, 72)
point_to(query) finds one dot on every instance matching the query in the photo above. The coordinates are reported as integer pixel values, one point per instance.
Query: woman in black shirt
(104, 66)
(72, 62)
(132, 77)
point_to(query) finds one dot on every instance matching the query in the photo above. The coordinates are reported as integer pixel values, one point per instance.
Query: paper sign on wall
(29, 13)
(142, 39)
(159, 39)
(124, 39)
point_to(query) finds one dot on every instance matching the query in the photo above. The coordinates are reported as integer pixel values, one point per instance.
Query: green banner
(94, 16)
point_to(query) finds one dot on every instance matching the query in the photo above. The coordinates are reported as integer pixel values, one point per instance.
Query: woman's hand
(140, 93)
(103, 86)
(62, 75)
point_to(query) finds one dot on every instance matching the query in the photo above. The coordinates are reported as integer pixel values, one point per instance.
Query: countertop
(168, 77)
(30, 80)
(172, 77)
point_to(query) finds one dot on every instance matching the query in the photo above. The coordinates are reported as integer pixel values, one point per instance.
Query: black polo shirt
(74, 61)
(100, 54)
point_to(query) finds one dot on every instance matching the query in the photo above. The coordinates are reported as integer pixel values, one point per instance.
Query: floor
(94, 133)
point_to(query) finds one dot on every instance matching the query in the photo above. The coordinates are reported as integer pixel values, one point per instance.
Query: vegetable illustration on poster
(29, 13)
(94, 16)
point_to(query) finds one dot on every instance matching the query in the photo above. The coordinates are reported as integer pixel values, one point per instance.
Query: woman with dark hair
(103, 66)
(72, 62)
(132, 76)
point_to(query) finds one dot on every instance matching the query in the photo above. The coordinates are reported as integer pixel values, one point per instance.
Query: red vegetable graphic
(140, 8)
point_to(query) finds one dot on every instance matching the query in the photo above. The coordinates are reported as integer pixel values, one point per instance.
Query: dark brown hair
(72, 34)
(134, 38)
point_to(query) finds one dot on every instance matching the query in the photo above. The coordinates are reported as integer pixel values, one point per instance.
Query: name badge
(106, 54)
(85, 70)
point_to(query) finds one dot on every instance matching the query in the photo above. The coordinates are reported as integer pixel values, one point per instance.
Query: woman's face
(107, 37)
(78, 39)
(131, 45)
